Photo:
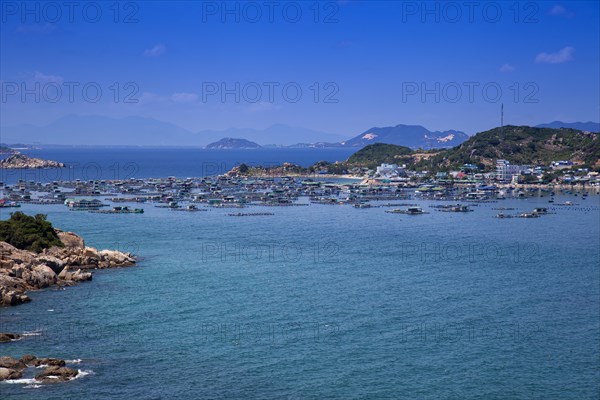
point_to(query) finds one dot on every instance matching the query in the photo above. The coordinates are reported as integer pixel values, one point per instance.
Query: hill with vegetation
(519, 145)
(29, 233)
(378, 153)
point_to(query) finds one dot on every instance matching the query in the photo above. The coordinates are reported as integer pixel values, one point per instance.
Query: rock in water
(9, 337)
(56, 374)
(8, 373)
(49, 362)
(11, 363)
(21, 161)
(40, 276)
(28, 359)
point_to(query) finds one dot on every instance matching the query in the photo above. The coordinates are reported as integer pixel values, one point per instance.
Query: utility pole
(502, 118)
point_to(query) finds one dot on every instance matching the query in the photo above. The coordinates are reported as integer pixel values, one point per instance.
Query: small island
(21, 161)
(232, 143)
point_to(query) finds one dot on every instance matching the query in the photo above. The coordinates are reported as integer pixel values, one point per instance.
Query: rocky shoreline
(22, 270)
(55, 369)
(21, 161)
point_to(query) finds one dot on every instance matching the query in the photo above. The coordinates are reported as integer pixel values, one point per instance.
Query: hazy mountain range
(582, 126)
(77, 130)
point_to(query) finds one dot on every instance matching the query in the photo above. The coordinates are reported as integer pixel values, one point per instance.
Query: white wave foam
(32, 333)
(76, 361)
(21, 381)
(33, 386)
(81, 373)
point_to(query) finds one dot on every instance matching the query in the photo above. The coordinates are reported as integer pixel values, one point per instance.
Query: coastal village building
(557, 165)
(507, 172)
(389, 171)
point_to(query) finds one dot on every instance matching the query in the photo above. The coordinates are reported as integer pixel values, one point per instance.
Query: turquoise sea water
(326, 302)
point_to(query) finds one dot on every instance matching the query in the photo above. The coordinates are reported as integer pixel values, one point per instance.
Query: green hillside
(378, 153)
(520, 145)
(517, 144)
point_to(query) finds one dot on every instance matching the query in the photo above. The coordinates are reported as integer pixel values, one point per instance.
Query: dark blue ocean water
(124, 163)
(326, 302)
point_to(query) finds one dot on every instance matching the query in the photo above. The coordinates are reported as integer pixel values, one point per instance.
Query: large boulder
(40, 276)
(9, 297)
(9, 337)
(55, 263)
(29, 359)
(8, 373)
(11, 363)
(112, 258)
(90, 252)
(77, 275)
(56, 374)
(10, 253)
(8, 282)
(17, 271)
(70, 240)
(49, 362)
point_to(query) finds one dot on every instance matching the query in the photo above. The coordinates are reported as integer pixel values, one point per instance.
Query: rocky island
(232, 143)
(21, 161)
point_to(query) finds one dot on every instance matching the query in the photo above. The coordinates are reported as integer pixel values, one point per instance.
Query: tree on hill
(243, 168)
(29, 233)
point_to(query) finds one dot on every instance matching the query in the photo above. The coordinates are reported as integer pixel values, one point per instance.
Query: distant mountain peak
(369, 136)
(414, 136)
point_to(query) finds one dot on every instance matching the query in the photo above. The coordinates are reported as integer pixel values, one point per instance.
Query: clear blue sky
(375, 54)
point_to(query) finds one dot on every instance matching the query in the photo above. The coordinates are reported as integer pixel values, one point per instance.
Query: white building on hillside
(389, 171)
(505, 171)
